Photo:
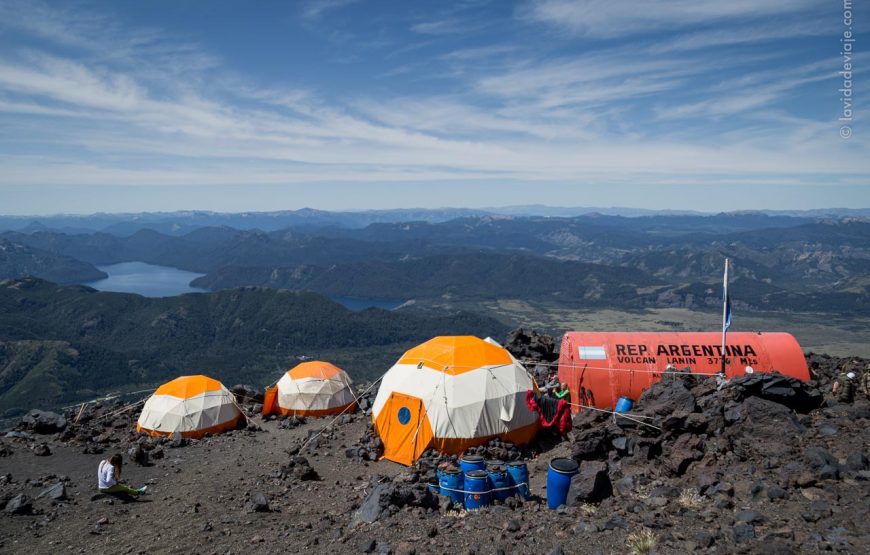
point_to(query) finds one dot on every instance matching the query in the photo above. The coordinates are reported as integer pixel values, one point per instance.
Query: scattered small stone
(56, 492)
(258, 503)
(41, 450)
(19, 505)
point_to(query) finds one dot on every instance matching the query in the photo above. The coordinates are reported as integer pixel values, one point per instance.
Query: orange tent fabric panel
(314, 369)
(452, 446)
(186, 387)
(404, 428)
(456, 355)
(270, 400)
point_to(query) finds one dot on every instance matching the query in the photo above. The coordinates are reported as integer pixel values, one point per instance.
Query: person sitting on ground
(844, 388)
(563, 394)
(108, 474)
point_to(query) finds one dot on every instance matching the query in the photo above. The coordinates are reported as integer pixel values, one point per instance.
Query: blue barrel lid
(476, 473)
(450, 470)
(564, 465)
(472, 458)
(516, 463)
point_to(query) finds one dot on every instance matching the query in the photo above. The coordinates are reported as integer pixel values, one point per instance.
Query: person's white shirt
(106, 475)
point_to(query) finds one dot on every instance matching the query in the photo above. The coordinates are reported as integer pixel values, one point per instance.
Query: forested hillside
(74, 342)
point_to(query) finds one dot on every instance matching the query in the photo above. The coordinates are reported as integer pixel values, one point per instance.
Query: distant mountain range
(785, 263)
(63, 343)
(66, 343)
(183, 222)
(17, 259)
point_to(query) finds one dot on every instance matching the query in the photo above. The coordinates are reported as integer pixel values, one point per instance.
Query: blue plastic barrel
(476, 489)
(471, 462)
(624, 404)
(499, 481)
(450, 484)
(519, 475)
(559, 481)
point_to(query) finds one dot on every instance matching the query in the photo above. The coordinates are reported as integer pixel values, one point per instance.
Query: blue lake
(150, 280)
(147, 280)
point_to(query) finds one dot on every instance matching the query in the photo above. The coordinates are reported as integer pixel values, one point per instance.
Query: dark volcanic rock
(56, 491)
(247, 394)
(19, 505)
(592, 483)
(857, 462)
(43, 422)
(682, 452)
(41, 450)
(743, 532)
(614, 522)
(764, 427)
(531, 345)
(589, 444)
(371, 508)
(785, 390)
(258, 503)
(667, 397)
(138, 455)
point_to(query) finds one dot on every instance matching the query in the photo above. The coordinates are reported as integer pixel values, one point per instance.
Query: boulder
(743, 532)
(787, 391)
(857, 462)
(667, 397)
(41, 450)
(763, 428)
(614, 522)
(589, 444)
(247, 393)
(56, 492)
(682, 452)
(19, 505)
(591, 484)
(531, 345)
(43, 422)
(138, 455)
(371, 508)
(258, 503)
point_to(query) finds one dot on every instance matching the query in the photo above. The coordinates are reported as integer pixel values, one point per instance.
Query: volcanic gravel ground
(755, 467)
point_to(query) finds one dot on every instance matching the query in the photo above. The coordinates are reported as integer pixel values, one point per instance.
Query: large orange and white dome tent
(451, 393)
(191, 406)
(312, 388)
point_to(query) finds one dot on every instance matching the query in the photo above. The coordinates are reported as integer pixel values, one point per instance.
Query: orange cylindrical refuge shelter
(601, 367)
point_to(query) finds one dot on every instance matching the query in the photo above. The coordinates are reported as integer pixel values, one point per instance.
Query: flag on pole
(726, 314)
(727, 323)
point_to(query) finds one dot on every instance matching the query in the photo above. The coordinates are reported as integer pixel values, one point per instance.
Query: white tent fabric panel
(165, 413)
(486, 401)
(314, 393)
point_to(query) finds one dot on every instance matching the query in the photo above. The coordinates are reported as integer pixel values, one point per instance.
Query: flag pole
(725, 316)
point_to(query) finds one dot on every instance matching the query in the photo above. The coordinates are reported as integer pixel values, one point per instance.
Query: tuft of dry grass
(587, 509)
(691, 499)
(641, 542)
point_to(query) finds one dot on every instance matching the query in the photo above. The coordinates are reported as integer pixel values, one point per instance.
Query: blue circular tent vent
(404, 415)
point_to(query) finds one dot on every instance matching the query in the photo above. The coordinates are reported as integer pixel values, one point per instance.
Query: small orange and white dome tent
(191, 406)
(312, 388)
(452, 393)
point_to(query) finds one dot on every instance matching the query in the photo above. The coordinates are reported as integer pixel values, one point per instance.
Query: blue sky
(343, 104)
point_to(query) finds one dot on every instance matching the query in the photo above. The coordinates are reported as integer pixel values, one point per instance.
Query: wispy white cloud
(607, 19)
(511, 113)
(312, 9)
(440, 27)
